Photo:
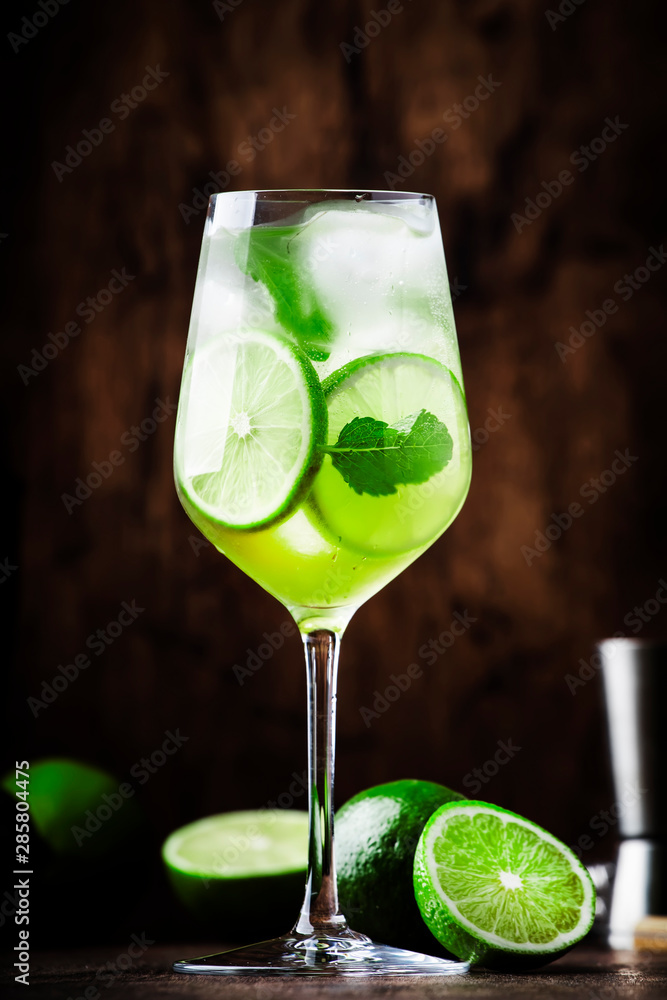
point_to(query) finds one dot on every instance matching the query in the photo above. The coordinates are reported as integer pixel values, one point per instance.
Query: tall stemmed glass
(322, 444)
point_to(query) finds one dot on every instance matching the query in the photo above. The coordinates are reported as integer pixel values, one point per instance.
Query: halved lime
(241, 872)
(391, 388)
(251, 418)
(498, 890)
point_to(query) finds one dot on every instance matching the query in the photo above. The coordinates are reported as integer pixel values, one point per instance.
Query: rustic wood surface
(584, 974)
(517, 295)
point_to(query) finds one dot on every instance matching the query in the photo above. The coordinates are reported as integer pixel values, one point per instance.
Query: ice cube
(226, 299)
(368, 269)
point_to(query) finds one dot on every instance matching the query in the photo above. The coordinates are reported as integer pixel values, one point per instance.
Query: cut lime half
(392, 388)
(240, 844)
(497, 890)
(241, 872)
(251, 418)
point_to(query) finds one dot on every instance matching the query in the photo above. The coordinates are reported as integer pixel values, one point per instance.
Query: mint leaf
(267, 255)
(374, 457)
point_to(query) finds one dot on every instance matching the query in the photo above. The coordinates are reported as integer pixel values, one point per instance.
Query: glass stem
(320, 914)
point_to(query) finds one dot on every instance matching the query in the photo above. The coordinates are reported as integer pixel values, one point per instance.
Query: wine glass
(322, 444)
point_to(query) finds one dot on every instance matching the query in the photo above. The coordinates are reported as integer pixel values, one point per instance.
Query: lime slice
(498, 890)
(251, 418)
(241, 872)
(391, 388)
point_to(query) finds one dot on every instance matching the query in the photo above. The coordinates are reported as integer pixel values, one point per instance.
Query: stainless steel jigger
(634, 675)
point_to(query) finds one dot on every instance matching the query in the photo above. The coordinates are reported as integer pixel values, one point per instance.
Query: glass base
(320, 955)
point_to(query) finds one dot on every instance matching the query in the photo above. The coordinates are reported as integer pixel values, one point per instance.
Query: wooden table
(583, 974)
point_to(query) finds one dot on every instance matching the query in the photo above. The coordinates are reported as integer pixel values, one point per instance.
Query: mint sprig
(375, 457)
(267, 255)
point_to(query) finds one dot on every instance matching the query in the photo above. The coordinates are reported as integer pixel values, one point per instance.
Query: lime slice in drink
(241, 873)
(251, 418)
(498, 890)
(392, 388)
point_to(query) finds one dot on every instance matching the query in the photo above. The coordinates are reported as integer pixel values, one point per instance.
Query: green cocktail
(350, 307)
(322, 444)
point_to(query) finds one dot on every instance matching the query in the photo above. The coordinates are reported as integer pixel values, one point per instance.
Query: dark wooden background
(518, 295)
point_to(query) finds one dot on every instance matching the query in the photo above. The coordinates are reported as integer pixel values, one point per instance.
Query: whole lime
(377, 833)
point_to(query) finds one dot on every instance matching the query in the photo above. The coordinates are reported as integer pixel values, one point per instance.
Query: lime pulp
(492, 886)
(241, 874)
